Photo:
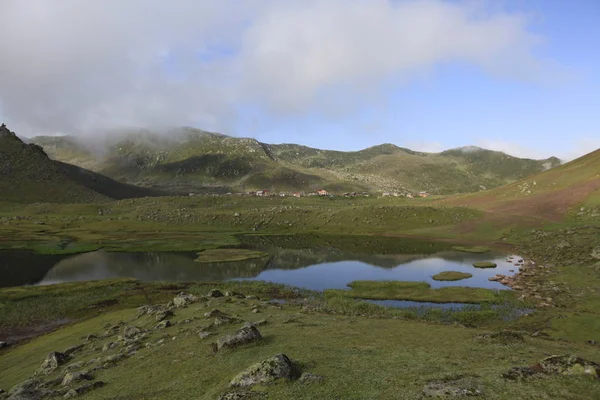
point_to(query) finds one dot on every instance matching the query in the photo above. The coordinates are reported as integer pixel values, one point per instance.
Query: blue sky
(521, 76)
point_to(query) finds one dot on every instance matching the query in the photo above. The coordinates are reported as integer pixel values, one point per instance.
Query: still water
(315, 269)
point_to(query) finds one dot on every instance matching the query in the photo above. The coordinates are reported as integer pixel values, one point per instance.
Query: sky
(520, 76)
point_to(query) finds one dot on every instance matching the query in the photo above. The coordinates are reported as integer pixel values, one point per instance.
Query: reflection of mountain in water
(19, 268)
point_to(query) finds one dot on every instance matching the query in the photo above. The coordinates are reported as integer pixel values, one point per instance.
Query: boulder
(269, 370)
(83, 389)
(163, 314)
(130, 332)
(215, 293)
(53, 360)
(242, 336)
(224, 320)
(71, 377)
(184, 299)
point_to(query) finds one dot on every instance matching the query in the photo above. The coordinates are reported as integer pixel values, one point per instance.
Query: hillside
(549, 195)
(194, 160)
(28, 175)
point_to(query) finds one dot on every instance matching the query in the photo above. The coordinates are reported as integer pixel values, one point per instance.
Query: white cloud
(76, 66)
(579, 148)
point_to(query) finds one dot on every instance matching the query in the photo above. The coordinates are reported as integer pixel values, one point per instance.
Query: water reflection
(315, 269)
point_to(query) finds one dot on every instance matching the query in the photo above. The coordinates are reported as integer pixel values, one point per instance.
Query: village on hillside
(320, 193)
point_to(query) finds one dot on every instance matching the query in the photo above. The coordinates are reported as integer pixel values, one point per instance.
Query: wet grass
(451, 276)
(419, 291)
(474, 249)
(485, 264)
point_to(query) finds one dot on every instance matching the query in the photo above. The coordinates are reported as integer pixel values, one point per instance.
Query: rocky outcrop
(269, 370)
(242, 336)
(53, 360)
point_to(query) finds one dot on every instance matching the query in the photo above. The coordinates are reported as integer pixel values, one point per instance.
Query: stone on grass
(74, 366)
(241, 395)
(163, 324)
(308, 378)
(224, 320)
(453, 387)
(163, 314)
(108, 346)
(129, 332)
(269, 370)
(71, 377)
(214, 313)
(242, 336)
(53, 360)
(215, 293)
(503, 337)
(184, 299)
(73, 349)
(556, 365)
(255, 324)
(204, 335)
(596, 253)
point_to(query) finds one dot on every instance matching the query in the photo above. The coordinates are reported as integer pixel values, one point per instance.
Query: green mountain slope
(28, 175)
(549, 195)
(191, 159)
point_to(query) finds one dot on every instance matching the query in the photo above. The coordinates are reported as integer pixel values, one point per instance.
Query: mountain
(548, 195)
(191, 159)
(27, 174)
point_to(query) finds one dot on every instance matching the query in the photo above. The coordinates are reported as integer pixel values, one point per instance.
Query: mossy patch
(417, 291)
(474, 249)
(228, 255)
(451, 276)
(484, 264)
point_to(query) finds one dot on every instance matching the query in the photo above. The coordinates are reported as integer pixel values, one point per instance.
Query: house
(322, 192)
(423, 194)
(297, 194)
(263, 193)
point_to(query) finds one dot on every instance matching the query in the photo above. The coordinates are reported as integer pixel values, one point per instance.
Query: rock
(108, 346)
(596, 253)
(591, 342)
(215, 293)
(53, 360)
(184, 299)
(269, 370)
(91, 338)
(504, 337)
(214, 313)
(496, 278)
(163, 324)
(224, 320)
(255, 311)
(133, 348)
(71, 350)
(252, 297)
(562, 244)
(240, 396)
(3, 345)
(453, 387)
(242, 336)
(111, 360)
(71, 377)
(556, 365)
(163, 314)
(83, 389)
(130, 332)
(28, 390)
(74, 366)
(308, 378)
(204, 335)
(234, 294)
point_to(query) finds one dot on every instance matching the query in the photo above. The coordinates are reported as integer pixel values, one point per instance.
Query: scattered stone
(75, 365)
(503, 337)
(224, 320)
(184, 299)
(163, 324)
(562, 244)
(215, 293)
(308, 378)
(111, 360)
(242, 336)
(556, 365)
(130, 332)
(455, 387)
(214, 313)
(204, 335)
(28, 390)
(133, 348)
(71, 377)
(163, 314)
(244, 395)
(256, 311)
(108, 346)
(269, 370)
(53, 360)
